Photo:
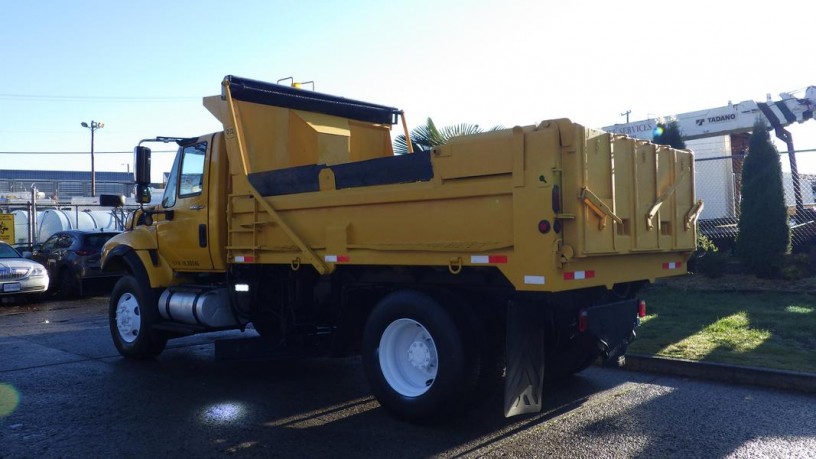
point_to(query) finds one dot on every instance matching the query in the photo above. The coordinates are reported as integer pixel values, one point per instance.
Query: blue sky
(143, 67)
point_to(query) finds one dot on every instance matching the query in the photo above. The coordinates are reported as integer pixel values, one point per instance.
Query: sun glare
(732, 333)
(9, 399)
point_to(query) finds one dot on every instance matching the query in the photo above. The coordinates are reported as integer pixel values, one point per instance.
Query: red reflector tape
(244, 259)
(488, 259)
(673, 265)
(337, 258)
(578, 275)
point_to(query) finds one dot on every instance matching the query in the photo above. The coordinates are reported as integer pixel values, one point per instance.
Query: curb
(733, 374)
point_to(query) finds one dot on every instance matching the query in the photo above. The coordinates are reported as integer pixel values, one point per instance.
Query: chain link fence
(718, 174)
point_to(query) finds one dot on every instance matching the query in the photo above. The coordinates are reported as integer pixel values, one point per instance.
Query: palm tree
(428, 136)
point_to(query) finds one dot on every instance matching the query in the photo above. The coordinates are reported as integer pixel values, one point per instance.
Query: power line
(77, 152)
(95, 98)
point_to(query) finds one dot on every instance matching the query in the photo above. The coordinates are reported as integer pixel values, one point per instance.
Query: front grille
(12, 273)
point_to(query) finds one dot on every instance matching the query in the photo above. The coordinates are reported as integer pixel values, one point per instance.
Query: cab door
(182, 232)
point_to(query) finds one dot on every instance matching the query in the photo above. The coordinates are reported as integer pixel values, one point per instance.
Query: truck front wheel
(419, 357)
(131, 314)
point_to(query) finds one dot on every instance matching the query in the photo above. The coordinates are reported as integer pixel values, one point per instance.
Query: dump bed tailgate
(623, 195)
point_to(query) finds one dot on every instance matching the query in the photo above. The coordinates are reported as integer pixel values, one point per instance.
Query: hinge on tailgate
(691, 216)
(663, 197)
(598, 207)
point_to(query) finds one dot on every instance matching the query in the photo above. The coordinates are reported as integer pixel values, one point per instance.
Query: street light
(93, 127)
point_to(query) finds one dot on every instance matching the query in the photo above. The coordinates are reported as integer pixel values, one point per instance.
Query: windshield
(7, 251)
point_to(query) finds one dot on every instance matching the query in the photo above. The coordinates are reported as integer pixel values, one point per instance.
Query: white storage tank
(52, 220)
(103, 220)
(20, 226)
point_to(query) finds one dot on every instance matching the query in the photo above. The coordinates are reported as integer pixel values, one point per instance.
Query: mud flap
(524, 381)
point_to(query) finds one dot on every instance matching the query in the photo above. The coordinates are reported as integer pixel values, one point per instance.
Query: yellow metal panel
(474, 156)
(369, 141)
(7, 228)
(598, 170)
(218, 174)
(623, 154)
(645, 170)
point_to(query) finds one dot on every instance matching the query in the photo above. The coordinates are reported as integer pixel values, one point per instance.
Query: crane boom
(729, 119)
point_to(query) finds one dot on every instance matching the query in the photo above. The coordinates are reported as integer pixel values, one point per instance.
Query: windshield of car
(97, 240)
(7, 251)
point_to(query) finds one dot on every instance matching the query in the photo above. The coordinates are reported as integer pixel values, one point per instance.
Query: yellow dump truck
(514, 254)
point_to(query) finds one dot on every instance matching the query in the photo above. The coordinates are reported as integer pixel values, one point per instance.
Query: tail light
(642, 308)
(583, 321)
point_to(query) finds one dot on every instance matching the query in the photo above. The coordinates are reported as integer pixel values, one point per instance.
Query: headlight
(37, 272)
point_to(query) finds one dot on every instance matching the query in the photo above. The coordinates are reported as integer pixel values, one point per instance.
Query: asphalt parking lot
(65, 392)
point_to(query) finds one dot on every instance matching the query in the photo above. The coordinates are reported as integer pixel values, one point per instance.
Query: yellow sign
(7, 228)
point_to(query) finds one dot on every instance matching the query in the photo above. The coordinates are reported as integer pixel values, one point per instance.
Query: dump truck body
(300, 203)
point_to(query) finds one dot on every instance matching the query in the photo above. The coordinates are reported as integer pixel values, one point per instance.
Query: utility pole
(626, 114)
(93, 127)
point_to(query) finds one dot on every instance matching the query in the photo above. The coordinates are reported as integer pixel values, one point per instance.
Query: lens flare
(9, 399)
(658, 131)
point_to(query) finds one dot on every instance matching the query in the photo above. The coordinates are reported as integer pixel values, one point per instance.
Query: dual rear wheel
(423, 357)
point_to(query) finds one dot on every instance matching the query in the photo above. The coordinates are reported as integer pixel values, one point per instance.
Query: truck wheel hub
(408, 357)
(128, 318)
(419, 355)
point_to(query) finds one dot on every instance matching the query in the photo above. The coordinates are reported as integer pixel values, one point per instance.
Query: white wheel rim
(128, 318)
(408, 357)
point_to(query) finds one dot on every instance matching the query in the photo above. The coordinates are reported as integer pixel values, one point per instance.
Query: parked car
(20, 275)
(72, 260)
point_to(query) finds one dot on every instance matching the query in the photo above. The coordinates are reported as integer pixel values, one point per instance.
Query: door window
(192, 170)
(65, 241)
(187, 176)
(50, 244)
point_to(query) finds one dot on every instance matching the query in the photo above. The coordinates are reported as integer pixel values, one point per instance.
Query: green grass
(767, 330)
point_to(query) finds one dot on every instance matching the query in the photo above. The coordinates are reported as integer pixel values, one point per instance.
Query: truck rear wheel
(131, 314)
(418, 357)
(565, 363)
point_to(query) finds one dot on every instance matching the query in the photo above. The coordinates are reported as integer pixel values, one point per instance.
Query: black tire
(132, 312)
(68, 284)
(403, 322)
(573, 358)
(562, 367)
(268, 324)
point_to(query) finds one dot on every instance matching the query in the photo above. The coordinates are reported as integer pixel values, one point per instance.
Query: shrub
(764, 234)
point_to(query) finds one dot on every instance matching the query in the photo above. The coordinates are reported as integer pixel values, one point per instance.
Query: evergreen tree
(669, 134)
(764, 234)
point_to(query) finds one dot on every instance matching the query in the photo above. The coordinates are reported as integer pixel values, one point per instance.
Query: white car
(20, 275)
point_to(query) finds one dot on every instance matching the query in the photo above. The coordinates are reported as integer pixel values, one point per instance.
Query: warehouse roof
(9, 174)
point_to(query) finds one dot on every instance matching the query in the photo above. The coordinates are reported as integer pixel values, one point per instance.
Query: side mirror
(111, 200)
(141, 169)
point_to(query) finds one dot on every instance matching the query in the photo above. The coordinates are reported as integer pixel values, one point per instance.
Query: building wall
(64, 185)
